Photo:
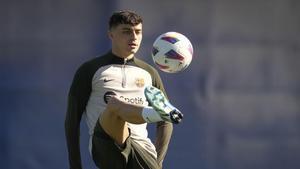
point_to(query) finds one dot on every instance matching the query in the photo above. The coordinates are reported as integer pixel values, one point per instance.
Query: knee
(113, 105)
(112, 109)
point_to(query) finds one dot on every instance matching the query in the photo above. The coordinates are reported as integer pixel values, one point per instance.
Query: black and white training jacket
(103, 76)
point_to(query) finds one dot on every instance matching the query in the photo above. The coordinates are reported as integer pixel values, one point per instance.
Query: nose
(134, 35)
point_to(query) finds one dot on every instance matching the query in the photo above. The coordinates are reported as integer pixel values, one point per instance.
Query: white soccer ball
(172, 52)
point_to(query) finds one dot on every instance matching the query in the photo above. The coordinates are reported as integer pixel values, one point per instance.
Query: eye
(127, 32)
(138, 32)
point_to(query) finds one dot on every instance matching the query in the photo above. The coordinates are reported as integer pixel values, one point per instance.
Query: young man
(114, 92)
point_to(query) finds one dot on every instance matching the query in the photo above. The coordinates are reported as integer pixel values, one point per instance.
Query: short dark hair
(124, 17)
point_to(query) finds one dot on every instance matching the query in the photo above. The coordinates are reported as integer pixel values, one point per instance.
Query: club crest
(139, 82)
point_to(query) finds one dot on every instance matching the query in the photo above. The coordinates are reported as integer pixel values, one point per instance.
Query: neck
(122, 55)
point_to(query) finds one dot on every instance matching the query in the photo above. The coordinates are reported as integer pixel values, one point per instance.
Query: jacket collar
(118, 60)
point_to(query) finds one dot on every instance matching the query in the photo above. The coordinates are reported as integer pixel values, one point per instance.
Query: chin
(133, 51)
(128, 53)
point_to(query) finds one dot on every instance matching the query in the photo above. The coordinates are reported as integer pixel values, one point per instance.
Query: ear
(110, 34)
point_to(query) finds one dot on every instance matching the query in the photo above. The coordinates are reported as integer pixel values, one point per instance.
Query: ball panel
(170, 39)
(174, 55)
(154, 51)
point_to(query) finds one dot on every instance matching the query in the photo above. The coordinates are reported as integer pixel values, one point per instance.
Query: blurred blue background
(240, 95)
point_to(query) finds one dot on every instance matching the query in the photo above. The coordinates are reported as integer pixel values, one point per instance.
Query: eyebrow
(126, 29)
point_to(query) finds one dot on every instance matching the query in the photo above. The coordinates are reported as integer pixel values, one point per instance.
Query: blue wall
(240, 95)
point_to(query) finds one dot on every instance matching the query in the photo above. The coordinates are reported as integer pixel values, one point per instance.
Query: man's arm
(72, 131)
(163, 129)
(163, 135)
(77, 100)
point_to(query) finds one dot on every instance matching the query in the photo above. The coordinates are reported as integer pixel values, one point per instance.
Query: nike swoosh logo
(107, 80)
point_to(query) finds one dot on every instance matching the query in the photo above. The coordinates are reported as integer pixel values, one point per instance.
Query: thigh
(106, 153)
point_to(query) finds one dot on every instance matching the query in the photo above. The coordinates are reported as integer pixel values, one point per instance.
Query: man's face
(126, 39)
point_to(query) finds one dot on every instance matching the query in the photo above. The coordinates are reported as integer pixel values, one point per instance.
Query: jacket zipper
(124, 74)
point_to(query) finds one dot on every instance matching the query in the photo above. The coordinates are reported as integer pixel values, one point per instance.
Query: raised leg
(117, 113)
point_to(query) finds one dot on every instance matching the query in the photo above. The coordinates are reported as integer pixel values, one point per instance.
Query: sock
(150, 115)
